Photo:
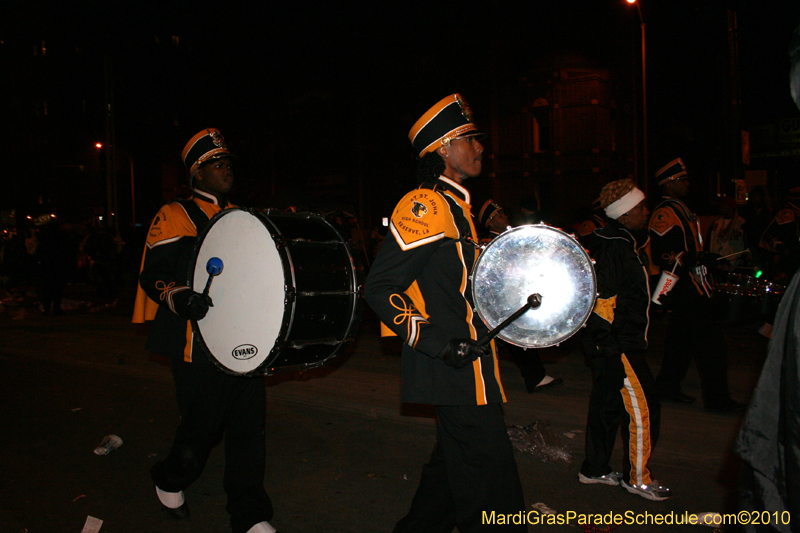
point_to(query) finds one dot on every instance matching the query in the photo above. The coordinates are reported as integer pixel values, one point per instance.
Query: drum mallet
(213, 267)
(533, 302)
(745, 251)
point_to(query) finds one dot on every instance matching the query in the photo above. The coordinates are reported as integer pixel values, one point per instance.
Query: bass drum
(290, 293)
(535, 259)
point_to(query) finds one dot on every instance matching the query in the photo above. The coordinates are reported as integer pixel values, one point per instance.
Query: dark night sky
(326, 84)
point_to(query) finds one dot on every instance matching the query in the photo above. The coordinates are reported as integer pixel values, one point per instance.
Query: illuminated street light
(99, 146)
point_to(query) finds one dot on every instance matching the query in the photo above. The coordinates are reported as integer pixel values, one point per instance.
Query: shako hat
(672, 171)
(450, 118)
(206, 145)
(488, 212)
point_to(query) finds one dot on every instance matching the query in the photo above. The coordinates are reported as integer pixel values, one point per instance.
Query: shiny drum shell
(535, 259)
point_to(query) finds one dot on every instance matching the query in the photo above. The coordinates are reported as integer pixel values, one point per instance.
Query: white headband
(624, 204)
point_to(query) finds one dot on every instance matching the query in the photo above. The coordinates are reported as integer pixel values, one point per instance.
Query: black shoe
(179, 513)
(677, 397)
(543, 385)
(731, 407)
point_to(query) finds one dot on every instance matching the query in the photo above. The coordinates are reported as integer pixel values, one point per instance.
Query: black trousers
(214, 405)
(694, 333)
(624, 399)
(529, 363)
(472, 470)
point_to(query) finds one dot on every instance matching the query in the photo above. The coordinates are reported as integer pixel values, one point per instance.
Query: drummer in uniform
(494, 219)
(419, 286)
(211, 403)
(692, 332)
(624, 394)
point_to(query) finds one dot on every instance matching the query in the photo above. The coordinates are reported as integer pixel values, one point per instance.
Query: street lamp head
(631, 1)
(99, 146)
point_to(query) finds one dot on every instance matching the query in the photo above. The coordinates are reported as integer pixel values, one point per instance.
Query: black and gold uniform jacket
(620, 320)
(675, 236)
(419, 286)
(165, 272)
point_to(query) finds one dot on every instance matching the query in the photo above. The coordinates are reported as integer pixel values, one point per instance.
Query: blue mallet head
(214, 266)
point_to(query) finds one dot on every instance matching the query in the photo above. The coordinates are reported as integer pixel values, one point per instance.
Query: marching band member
(623, 389)
(677, 246)
(419, 286)
(212, 404)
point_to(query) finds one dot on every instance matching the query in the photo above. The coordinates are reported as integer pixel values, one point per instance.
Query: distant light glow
(98, 145)
(631, 1)
(759, 273)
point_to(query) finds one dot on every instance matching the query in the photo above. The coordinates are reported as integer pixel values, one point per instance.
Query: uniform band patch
(663, 220)
(421, 217)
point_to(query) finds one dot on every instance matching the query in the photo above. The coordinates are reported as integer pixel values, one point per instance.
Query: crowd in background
(48, 257)
(42, 260)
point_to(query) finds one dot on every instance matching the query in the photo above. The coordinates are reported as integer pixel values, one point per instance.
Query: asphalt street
(344, 455)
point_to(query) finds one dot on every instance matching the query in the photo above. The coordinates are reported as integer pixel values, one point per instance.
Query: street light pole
(646, 178)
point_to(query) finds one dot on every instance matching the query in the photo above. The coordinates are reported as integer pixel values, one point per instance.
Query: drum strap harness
(693, 239)
(196, 215)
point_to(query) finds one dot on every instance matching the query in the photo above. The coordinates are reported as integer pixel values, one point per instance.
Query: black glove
(709, 260)
(192, 305)
(460, 352)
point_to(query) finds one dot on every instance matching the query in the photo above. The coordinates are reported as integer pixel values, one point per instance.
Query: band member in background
(419, 286)
(585, 230)
(780, 242)
(692, 331)
(494, 219)
(212, 404)
(624, 394)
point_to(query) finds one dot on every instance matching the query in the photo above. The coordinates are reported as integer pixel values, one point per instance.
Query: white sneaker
(174, 503)
(262, 527)
(612, 478)
(654, 491)
(170, 500)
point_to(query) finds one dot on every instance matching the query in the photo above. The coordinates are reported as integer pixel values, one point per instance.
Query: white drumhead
(243, 326)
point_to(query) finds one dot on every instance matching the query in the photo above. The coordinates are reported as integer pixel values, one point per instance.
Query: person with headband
(692, 331)
(623, 388)
(419, 286)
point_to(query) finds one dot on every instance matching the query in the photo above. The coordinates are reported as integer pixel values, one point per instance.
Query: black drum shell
(322, 283)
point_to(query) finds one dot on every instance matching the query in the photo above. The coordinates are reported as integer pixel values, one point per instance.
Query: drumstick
(747, 250)
(213, 267)
(533, 302)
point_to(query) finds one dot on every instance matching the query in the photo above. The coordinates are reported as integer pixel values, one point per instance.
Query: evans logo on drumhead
(244, 351)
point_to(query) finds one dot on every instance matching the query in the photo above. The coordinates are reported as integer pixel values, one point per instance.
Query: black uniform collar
(450, 185)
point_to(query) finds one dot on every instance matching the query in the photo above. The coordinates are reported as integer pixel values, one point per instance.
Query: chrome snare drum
(535, 259)
(288, 294)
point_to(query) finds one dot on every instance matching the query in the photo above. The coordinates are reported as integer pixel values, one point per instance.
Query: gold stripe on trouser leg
(639, 445)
